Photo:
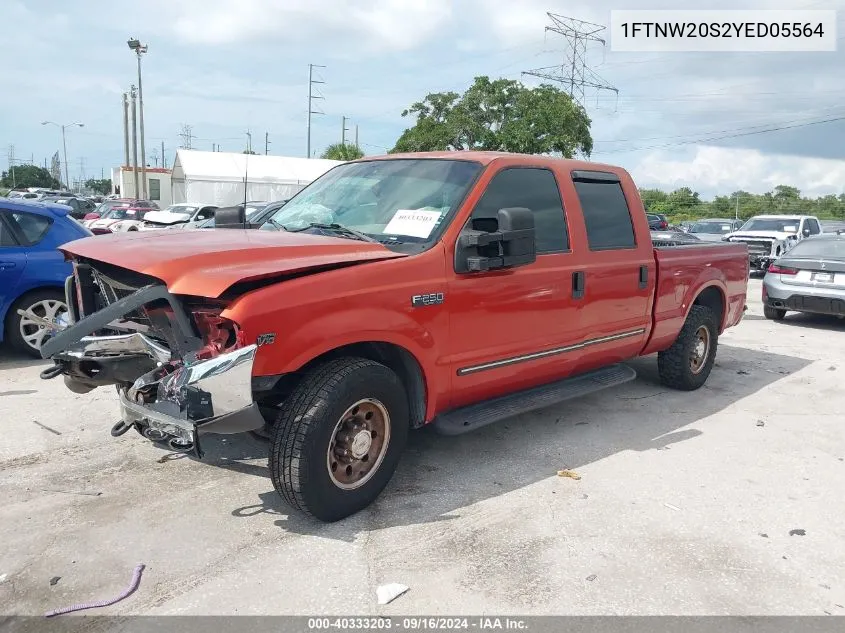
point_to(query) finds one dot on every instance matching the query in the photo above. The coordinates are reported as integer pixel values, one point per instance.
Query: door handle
(578, 281)
(5, 265)
(643, 276)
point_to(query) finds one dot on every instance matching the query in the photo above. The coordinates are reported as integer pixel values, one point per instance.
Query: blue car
(32, 270)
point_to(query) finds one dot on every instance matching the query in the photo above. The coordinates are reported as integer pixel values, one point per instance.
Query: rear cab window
(606, 214)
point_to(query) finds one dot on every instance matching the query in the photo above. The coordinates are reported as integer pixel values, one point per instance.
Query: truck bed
(683, 269)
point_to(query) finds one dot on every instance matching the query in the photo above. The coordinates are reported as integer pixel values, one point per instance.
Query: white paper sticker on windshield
(790, 229)
(415, 223)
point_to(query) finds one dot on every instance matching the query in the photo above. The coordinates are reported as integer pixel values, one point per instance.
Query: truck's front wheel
(687, 364)
(339, 437)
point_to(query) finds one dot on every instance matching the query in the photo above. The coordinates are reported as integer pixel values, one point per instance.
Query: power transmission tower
(154, 155)
(187, 136)
(311, 97)
(266, 143)
(248, 142)
(573, 72)
(82, 169)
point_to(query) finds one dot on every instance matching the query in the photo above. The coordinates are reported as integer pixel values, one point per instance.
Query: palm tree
(342, 151)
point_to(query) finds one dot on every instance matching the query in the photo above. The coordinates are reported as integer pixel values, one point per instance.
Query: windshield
(180, 208)
(394, 201)
(104, 208)
(787, 225)
(120, 213)
(819, 249)
(717, 228)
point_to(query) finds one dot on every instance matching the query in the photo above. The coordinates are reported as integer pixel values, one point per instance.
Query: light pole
(64, 143)
(140, 49)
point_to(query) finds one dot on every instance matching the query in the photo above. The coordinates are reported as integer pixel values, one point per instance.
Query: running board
(475, 416)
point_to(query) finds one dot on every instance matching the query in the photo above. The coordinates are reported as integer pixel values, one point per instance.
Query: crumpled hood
(770, 235)
(166, 217)
(206, 263)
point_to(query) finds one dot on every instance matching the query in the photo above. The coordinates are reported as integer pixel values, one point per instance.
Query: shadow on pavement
(813, 321)
(440, 475)
(10, 359)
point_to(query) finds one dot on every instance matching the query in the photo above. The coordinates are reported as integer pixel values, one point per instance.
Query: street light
(140, 49)
(64, 143)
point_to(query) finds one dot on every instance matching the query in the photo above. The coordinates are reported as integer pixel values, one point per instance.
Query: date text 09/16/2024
(418, 623)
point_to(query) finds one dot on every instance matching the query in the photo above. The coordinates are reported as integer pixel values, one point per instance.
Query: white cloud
(723, 170)
(373, 24)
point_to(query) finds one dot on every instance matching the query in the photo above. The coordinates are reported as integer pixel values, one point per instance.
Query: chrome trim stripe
(549, 352)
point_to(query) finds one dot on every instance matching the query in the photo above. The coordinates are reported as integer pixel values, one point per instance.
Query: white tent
(218, 177)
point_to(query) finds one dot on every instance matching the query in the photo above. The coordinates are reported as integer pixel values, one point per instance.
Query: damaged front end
(181, 370)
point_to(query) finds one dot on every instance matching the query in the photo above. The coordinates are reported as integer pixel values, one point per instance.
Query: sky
(226, 68)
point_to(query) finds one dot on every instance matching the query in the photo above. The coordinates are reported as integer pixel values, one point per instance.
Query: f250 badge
(431, 299)
(265, 339)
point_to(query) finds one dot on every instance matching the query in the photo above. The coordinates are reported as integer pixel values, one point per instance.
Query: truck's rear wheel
(687, 364)
(338, 438)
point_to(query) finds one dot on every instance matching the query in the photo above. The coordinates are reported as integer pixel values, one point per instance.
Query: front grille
(756, 248)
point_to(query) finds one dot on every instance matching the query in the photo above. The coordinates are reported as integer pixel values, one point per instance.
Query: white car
(770, 236)
(118, 219)
(177, 214)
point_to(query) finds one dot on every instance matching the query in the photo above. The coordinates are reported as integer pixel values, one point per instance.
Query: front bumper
(212, 396)
(168, 393)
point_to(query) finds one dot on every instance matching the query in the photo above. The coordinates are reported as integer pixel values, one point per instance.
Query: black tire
(13, 319)
(300, 458)
(679, 366)
(774, 314)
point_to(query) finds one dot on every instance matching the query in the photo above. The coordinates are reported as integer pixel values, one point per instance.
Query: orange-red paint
(485, 317)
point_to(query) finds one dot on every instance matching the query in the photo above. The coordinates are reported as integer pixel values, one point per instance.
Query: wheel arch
(713, 297)
(396, 357)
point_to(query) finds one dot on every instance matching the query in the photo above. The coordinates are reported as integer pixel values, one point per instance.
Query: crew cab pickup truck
(454, 289)
(770, 236)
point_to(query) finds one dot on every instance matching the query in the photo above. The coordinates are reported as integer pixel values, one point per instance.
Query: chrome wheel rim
(358, 444)
(34, 334)
(700, 349)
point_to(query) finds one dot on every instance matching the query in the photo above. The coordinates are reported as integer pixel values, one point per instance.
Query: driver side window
(533, 188)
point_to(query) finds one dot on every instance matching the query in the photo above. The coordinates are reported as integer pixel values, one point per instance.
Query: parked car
(183, 213)
(256, 214)
(770, 236)
(809, 278)
(657, 222)
(80, 207)
(456, 292)
(714, 229)
(32, 270)
(119, 219)
(673, 238)
(118, 202)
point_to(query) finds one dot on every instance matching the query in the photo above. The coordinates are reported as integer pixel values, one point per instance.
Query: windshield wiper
(337, 228)
(277, 225)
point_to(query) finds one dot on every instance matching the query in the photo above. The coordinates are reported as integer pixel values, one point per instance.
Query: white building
(218, 177)
(158, 184)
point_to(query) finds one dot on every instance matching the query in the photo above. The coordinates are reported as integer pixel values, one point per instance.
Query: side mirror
(512, 244)
(230, 218)
(806, 232)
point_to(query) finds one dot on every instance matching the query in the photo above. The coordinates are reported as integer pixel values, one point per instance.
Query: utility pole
(12, 165)
(139, 49)
(163, 159)
(574, 71)
(248, 142)
(154, 154)
(134, 141)
(736, 212)
(266, 143)
(356, 135)
(126, 129)
(311, 97)
(343, 132)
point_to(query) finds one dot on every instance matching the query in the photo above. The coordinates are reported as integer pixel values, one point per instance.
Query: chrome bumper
(212, 396)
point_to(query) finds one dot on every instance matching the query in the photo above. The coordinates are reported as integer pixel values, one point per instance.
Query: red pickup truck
(452, 289)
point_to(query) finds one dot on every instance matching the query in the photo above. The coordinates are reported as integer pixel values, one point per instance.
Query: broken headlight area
(179, 366)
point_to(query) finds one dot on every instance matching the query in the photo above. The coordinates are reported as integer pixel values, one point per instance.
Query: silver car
(809, 278)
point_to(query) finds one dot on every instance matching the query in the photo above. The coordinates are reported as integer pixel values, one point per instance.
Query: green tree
(342, 151)
(101, 186)
(498, 115)
(29, 176)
